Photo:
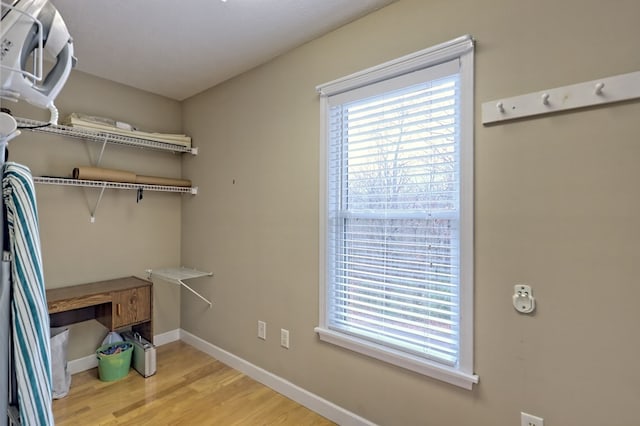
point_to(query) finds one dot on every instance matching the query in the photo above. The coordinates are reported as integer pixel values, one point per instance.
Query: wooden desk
(116, 304)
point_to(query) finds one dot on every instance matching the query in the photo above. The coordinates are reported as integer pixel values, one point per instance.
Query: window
(396, 270)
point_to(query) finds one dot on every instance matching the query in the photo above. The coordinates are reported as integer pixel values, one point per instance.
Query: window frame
(461, 48)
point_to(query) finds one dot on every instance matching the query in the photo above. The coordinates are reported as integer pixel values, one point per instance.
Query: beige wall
(557, 207)
(127, 237)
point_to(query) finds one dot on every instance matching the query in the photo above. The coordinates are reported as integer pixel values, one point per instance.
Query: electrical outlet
(530, 420)
(262, 330)
(284, 338)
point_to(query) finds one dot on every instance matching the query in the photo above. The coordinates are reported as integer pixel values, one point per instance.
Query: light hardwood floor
(190, 388)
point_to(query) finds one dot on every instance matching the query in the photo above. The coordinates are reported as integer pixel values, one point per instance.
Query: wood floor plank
(190, 388)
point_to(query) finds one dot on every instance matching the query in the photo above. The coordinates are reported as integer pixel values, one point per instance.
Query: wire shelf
(114, 185)
(102, 137)
(178, 275)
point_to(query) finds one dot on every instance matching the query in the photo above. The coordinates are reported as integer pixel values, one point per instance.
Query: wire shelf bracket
(178, 275)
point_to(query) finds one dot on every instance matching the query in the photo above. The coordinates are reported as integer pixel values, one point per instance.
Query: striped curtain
(32, 353)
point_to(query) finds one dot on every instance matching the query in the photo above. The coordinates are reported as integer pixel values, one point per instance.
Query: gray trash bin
(60, 375)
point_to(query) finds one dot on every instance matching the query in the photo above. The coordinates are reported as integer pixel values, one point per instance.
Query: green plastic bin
(115, 366)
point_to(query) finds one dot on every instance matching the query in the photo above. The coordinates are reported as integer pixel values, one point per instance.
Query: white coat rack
(177, 275)
(596, 92)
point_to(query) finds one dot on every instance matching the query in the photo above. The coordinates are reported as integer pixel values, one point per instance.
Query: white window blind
(393, 219)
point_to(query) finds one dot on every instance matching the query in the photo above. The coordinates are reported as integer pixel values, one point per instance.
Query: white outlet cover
(284, 338)
(530, 420)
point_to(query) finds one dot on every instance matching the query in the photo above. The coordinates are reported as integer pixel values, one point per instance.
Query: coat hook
(500, 107)
(545, 98)
(599, 88)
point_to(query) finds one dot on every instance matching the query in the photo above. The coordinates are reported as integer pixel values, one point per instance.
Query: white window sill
(413, 363)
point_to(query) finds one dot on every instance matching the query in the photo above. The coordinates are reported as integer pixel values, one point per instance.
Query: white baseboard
(168, 337)
(303, 397)
(82, 364)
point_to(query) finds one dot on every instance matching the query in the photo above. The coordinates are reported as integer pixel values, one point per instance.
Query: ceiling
(180, 48)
